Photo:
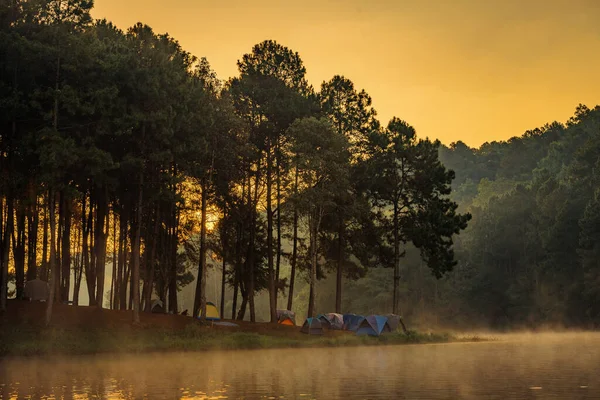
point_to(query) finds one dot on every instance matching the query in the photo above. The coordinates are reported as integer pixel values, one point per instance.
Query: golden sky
(470, 70)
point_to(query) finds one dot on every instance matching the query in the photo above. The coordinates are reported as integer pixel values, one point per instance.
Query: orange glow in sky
(470, 70)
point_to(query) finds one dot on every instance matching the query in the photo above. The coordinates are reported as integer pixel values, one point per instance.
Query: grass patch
(19, 341)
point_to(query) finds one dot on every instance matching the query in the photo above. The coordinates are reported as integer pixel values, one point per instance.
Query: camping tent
(157, 306)
(373, 325)
(352, 321)
(286, 321)
(286, 317)
(37, 290)
(394, 321)
(312, 326)
(325, 324)
(212, 314)
(332, 321)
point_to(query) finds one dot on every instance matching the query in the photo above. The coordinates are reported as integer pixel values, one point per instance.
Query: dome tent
(157, 306)
(373, 325)
(286, 317)
(212, 314)
(352, 321)
(312, 326)
(332, 321)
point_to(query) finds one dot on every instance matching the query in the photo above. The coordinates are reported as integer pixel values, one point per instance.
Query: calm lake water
(546, 366)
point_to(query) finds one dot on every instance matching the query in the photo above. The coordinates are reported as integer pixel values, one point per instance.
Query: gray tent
(312, 326)
(394, 321)
(332, 321)
(37, 290)
(157, 306)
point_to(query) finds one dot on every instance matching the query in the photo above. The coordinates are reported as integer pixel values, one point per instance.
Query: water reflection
(548, 367)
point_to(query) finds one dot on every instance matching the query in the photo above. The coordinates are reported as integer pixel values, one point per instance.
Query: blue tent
(352, 321)
(373, 325)
(312, 326)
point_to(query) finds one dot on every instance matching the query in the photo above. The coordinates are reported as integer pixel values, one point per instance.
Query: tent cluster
(373, 325)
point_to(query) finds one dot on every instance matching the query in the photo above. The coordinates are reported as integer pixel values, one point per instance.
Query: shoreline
(79, 330)
(18, 342)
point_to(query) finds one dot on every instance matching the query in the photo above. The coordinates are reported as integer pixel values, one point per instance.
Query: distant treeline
(531, 255)
(120, 150)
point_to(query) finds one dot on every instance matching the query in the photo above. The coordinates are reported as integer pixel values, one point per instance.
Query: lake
(541, 366)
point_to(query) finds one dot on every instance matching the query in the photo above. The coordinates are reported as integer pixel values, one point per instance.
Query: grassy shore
(90, 330)
(54, 341)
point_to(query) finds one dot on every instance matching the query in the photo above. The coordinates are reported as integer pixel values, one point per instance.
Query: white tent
(157, 306)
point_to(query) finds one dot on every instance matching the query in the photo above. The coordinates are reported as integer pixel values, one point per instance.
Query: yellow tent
(211, 312)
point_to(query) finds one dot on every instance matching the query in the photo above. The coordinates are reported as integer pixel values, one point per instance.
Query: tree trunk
(113, 275)
(271, 274)
(54, 270)
(200, 298)
(294, 247)
(100, 245)
(238, 268)
(396, 259)
(235, 294)
(251, 257)
(78, 266)
(130, 301)
(121, 288)
(314, 227)
(66, 248)
(173, 306)
(135, 270)
(8, 228)
(19, 249)
(125, 286)
(238, 255)
(313, 267)
(151, 261)
(58, 280)
(44, 265)
(119, 269)
(32, 234)
(278, 245)
(340, 264)
(244, 305)
(223, 274)
(53, 265)
(88, 265)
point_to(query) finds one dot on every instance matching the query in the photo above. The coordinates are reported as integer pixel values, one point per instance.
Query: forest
(128, 166)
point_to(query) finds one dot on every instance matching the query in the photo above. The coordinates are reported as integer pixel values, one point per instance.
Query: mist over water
(526, 366)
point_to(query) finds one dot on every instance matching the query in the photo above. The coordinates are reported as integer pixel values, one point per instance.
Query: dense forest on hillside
(129, 171)
(530, 256)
